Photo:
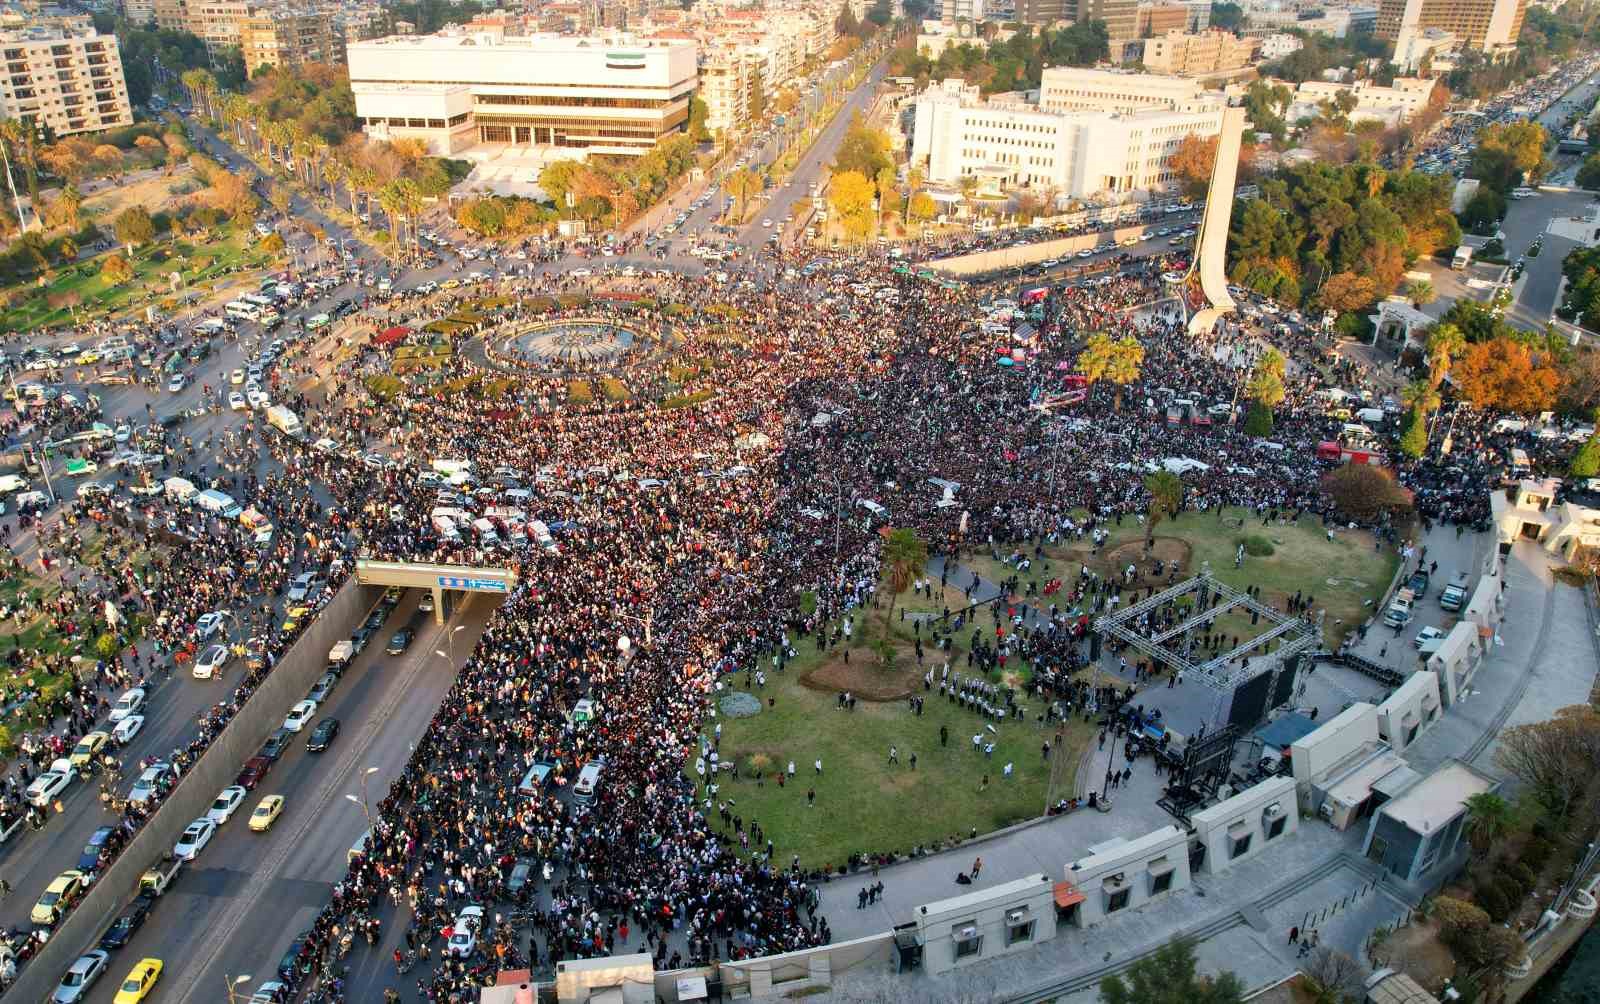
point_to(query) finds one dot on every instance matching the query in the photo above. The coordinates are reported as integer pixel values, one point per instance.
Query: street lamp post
(450, 641)
(234, 998)
(366, 810)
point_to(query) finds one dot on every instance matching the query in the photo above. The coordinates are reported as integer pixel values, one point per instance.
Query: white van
(212, 500)
(445, 527)
(1373, 416)
(180, 489)
(588, 781)
(877, 511)
(242, 311)
(487, 532)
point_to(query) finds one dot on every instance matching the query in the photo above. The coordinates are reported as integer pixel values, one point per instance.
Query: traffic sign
(487, 585)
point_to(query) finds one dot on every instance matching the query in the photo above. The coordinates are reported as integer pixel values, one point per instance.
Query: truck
(1401, 609)
(1463, 258)
(1454, 596)
(284, 420)
(158, 877)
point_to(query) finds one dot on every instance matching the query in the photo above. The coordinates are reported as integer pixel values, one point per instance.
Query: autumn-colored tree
(1508, 375)
(134, 226)
(850, 197)
(116, 270)
(1345, 291)
(923, 208)
(1193, 162)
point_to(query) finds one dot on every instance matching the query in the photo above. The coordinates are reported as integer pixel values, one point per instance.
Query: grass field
(1345, 576)
(863, 802)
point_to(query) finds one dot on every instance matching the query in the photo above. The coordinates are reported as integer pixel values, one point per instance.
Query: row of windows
(681, 90)
(560, 101)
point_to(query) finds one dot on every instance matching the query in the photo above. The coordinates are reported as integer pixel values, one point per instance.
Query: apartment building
(288, 38)
(728, 79)
(587, 94)
(1121, 16)
(1072, 89)
(1492, 26)
(1158, 19)
(956, 134)
(1387, 105)
(1280, 44)
(140, 12)
(68, 79)
(215, 21)
(1201, 54)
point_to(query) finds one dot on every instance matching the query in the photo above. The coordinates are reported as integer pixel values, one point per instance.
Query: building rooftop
(1436, 799)
(48, 33)
(533, 43)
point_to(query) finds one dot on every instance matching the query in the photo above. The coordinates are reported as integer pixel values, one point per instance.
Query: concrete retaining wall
(1026, 254)
(288, 682)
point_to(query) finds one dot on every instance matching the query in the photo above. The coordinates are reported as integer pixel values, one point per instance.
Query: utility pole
(22, 221)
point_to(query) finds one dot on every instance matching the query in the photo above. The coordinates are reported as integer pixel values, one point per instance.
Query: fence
(262, 713)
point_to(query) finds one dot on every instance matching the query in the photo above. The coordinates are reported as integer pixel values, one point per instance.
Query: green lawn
(1345, 576)
(200, 263)
(863, 802)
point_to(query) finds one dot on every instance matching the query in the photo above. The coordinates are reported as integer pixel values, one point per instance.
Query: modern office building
(1490, 25)
(956, 134)
(589, 94)
(1070, 89)
(288, 38)
(69, 79)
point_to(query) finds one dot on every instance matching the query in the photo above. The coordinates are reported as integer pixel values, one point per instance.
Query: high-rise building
(1043, 12)
(69, 79)
(1120, 16)
(288, 38)
(587, 94)
(1490, 25)
(215, 21)
(726, 87)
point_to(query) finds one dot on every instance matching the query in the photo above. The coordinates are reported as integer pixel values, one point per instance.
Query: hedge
(688, 400)
(384, 388)
(579, 392)
(613, 389)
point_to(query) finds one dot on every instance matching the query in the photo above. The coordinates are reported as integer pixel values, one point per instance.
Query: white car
(131, 701)
(464, 933)
(48, 785)
(236, 377)
(236, 402)
(207, 625)
(258, 400)
(126, 729)
(93, 489)
(194, 839)
(210, 662)
(299, 715)
(581, 273)
(227, 803)
(1428, 634)
(80, 976)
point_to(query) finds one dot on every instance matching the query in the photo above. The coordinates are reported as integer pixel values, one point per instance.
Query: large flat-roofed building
(1072, 89)
(1490, 25)
(595, 95)
(69, 79)
(1074, 153)
(1199, 54)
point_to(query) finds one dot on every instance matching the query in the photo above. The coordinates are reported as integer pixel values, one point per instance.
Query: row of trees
(503, 216)
(617, 187)
(1338, 237)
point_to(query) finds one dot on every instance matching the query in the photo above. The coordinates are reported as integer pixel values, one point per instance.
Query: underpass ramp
(439, 579)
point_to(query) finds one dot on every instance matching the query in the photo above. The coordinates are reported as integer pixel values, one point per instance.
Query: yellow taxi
(292, 618)
(140, 981)
(267, 812)
(57, 897)
(88, 748)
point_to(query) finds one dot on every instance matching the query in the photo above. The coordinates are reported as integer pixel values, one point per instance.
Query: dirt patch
(1111, 564)
(863, 677)
(157, 193)
(1416, 951)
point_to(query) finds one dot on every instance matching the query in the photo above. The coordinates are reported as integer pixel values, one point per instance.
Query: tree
(1257, 422)
(1490, 818)
(1555, 759)
(1506, 374)
(134, 226)
(923, 208)
(1589, 174)
(1346, 291)
(1169, 976)
(273, 243)
(864, 149)
(1507, 154)
(67, 209)
(279, 197)
(1166, 497)
(1340, 976)
(1265, 385)
(1586, 462)
(1445, 343)
(1365, 494)
(742, 184)
(556, 180)
(1193, 162)
(699, 112)
(850, 197)
(905, 555)
(116, 270)
(1421, 397)
(1115, 360)
(1486, 208)
(1421, 292)
(1414, 441)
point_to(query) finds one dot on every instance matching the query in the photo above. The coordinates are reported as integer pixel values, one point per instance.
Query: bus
(242, 310)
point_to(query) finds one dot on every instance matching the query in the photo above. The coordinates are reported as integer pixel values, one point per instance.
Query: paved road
(1526, 220)
(235, 910)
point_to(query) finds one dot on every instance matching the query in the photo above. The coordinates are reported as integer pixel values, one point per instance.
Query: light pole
(234, 998)
(366, 810)
(450, 640)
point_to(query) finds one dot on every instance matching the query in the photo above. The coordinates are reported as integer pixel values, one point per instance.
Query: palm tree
(20, 137)
(913, 185)
(1445, 344)
(1166, 495)
(905, 555)
(1421, 397)
(1489, 819)
(1116, 360)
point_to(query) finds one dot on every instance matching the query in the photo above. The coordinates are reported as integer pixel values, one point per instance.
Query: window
(969, 943)
(1019, 926)
(1117, 900)
(1241, 845)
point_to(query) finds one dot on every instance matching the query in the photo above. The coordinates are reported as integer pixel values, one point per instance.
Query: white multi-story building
(68, 79)
(1071, 89)
(1078, 154)
(1388, 105)
(1280, 44)
(139, 12)
(727, 78)
(454, 91)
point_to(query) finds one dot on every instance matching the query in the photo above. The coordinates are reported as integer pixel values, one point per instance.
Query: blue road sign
(487, 585)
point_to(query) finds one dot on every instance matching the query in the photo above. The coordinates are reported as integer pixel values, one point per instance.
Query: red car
(254, 770)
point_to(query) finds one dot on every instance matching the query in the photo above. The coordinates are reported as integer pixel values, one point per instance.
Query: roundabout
(570, 343)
